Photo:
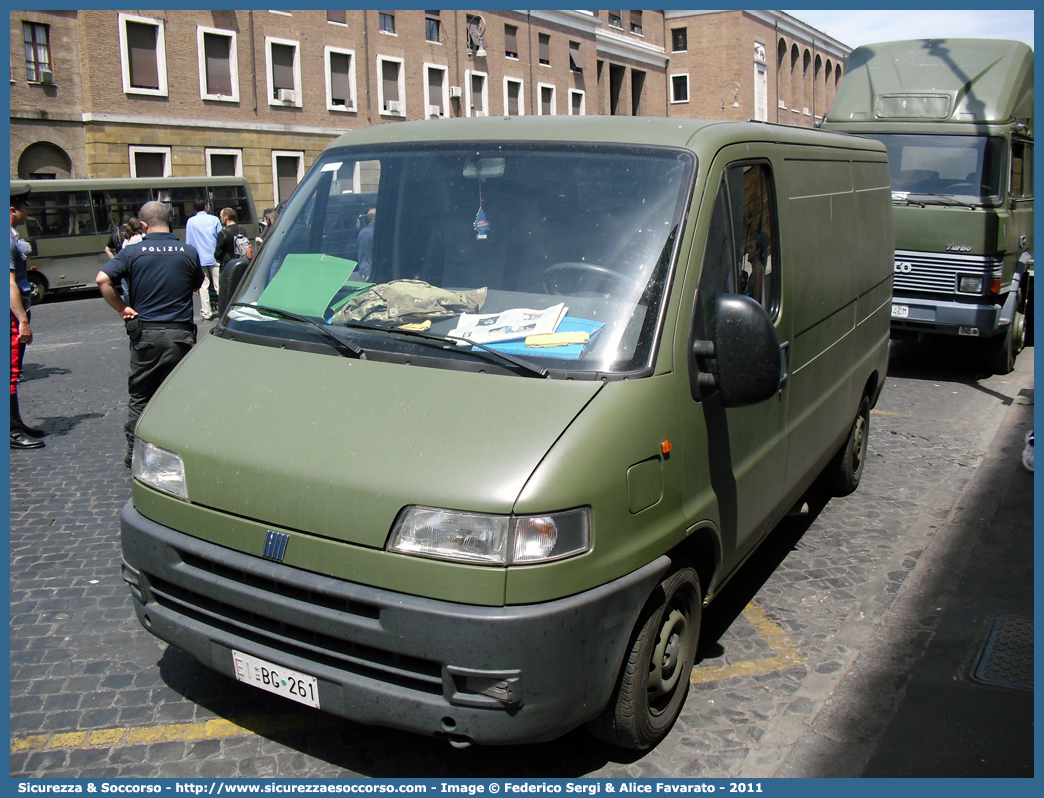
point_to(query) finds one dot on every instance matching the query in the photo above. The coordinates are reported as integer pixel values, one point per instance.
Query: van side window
(718, 275)
(753, 213)
(1021, 169)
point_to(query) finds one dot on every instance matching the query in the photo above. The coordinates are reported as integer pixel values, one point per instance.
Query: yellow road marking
(786, 653)
(206, 730)
(926, 418)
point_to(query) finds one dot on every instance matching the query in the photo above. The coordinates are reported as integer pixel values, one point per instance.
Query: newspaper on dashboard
(508, 325)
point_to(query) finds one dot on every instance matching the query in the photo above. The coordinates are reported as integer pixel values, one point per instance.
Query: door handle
(784, 364)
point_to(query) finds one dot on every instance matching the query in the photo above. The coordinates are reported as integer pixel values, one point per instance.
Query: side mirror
(228, 281)
(742, 361)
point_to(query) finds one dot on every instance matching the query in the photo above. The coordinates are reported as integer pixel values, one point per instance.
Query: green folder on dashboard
(306, 284)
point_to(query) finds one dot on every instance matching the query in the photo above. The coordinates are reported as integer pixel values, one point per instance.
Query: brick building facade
(103, 93)
(763, 65)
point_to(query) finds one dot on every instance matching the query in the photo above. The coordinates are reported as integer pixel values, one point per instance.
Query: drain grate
(1006, 657)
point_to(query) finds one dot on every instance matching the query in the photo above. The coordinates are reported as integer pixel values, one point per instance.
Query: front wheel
(843, 473)
(1003, 349)
(37, 288)
(655, 676)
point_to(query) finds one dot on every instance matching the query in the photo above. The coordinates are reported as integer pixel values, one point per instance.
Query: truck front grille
(938, 273)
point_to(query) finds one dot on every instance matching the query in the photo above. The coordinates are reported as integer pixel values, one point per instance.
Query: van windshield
(968, 167)
(554, 253)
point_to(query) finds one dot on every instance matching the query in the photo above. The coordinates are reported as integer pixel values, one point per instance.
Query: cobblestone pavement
(94, 695)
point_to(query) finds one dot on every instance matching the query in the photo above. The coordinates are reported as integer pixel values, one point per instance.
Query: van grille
(938, 273)
(323, 649)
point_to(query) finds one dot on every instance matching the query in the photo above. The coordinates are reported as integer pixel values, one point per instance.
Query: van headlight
(490, 539)
(159, 469)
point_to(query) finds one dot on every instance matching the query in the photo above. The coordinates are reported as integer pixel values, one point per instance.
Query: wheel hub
(664, 666)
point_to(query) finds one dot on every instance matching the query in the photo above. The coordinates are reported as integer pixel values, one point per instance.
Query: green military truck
(957, 118)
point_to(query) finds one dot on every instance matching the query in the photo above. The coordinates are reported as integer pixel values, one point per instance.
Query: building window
(576, 102)
(143, 55)
(510, 41)
(37, 49)
(391, 87)
(576, 63)
(636, 23)
(679, 40)
(284, 72)
(340, 79)
(431, 26)
(224, 163)
(514, 102)
(547, 99)
(680, 88)
(478, 95)
(615, 20)
(337, 17)
(287, 171)
(218, 64)
(149, 161)
(545, 49)
(435, 78)
(386, 22)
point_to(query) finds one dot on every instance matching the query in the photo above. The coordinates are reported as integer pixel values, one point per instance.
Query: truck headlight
(970, 285)
(159, 469)
(490, 539)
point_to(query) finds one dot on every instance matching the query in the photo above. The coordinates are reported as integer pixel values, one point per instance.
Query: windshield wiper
(529, 369)
(340, 344)
(914, 198)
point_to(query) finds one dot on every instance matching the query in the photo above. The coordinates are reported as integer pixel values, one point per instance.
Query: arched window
(43, 160)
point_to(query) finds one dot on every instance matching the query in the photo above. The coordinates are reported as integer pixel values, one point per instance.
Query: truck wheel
(1003, 349)
(37, 288)
(655, 676)
(845, 470)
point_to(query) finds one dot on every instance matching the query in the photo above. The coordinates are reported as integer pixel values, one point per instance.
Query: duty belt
(168, 325)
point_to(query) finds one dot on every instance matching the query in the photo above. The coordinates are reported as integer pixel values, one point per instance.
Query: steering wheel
(952, 186)
(583, 269)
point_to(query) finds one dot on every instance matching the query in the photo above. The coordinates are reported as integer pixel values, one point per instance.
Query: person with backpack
(232, 242)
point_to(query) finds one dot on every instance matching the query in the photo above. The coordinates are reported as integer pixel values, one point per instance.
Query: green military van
(485, 493)
(957, 118)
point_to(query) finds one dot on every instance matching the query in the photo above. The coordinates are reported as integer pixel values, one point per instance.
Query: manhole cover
(1006, 658)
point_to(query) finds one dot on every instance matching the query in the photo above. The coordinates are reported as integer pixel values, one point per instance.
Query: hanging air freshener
(481, 225)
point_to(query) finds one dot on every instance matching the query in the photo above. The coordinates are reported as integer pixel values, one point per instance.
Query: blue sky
(863, 27)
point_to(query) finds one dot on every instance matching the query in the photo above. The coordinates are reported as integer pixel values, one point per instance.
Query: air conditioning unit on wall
(286, 95)
(393, 106)
(47, 77)
(455, 91)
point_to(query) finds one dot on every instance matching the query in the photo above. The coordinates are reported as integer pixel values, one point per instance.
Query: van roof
(700, 135)
(943, 80)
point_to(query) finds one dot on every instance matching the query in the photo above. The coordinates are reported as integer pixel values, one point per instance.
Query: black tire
(843, 473)
(654, 678)
(1002, 350)
(37, 288)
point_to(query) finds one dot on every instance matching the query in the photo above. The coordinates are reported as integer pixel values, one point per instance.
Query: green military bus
(957, 118)
(70, 221)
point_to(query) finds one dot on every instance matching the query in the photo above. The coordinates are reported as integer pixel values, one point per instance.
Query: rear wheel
(655, 676)
(37, 288)
(846, 469)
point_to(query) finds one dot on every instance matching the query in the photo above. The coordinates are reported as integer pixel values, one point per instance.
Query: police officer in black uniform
(164, 274)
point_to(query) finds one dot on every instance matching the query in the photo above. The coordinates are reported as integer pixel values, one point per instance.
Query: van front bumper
(489, 675)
